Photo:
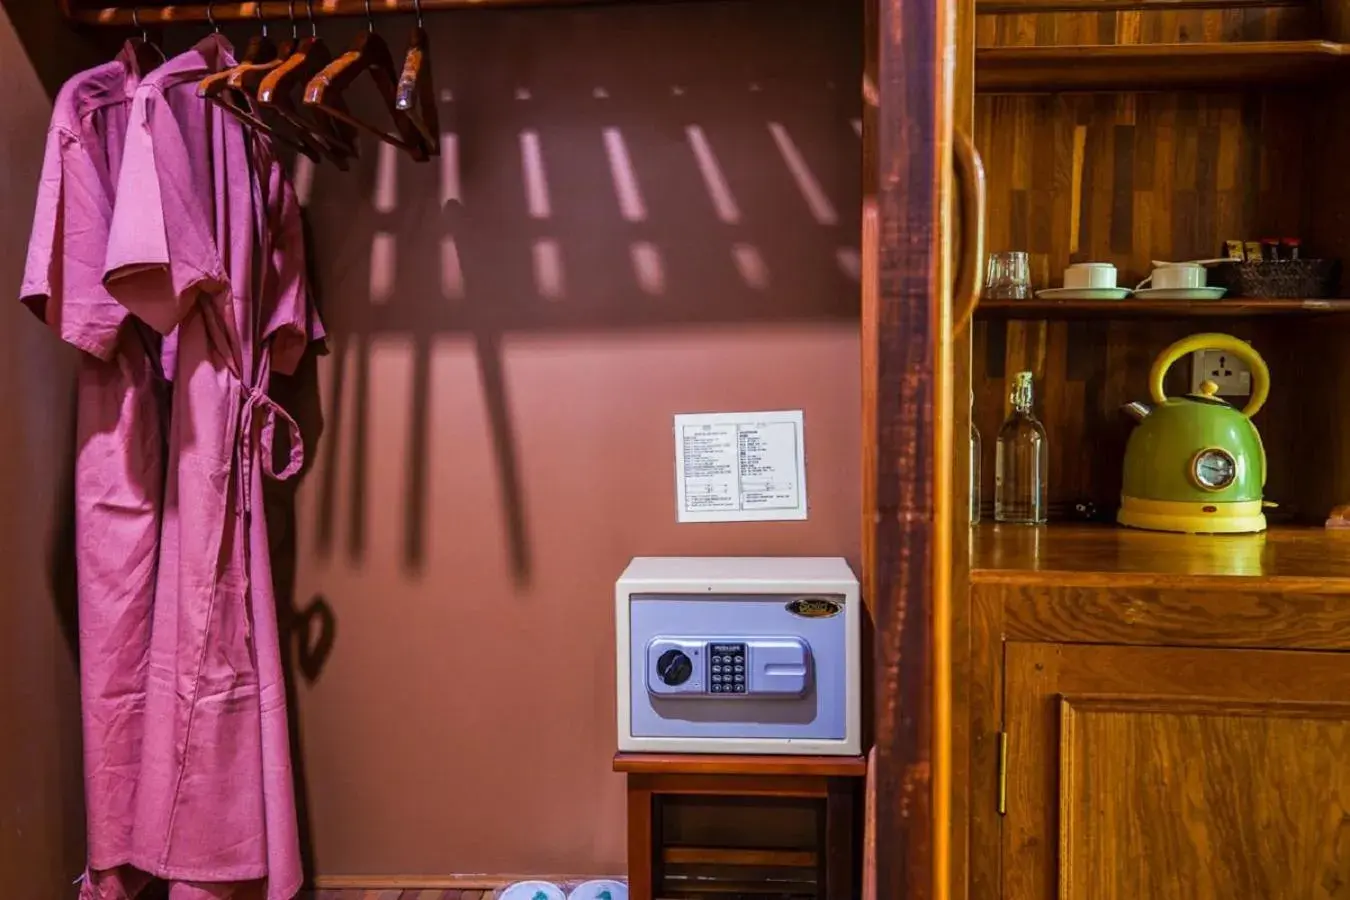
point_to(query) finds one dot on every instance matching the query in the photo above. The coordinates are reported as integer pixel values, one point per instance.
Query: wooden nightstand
(827, 870)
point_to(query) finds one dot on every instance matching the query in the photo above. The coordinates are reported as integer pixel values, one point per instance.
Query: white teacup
(1179, 276)
(1088, 276)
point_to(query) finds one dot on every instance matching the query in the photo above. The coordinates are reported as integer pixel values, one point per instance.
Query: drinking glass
(1008, 276)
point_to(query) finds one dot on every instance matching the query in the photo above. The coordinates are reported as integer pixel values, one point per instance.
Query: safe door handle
(970, 189)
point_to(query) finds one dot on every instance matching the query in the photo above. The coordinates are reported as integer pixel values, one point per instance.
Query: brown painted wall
(41, 807)
(497, 439)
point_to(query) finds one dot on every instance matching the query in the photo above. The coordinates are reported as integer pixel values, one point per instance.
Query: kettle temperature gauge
(1213, 469)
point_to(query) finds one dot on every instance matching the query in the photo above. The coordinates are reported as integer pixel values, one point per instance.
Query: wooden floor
(416, 894)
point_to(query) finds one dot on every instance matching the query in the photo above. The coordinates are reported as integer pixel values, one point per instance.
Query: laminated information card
(740, 467)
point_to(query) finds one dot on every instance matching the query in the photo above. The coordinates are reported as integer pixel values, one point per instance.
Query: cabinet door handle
(969, 172)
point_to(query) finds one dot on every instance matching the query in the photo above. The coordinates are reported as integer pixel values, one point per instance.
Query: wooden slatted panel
(722, 856)
(767, 884)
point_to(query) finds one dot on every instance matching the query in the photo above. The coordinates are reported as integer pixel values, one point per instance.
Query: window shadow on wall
(626, 167)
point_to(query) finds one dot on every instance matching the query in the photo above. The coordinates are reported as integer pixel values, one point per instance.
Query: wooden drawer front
(1233, 617)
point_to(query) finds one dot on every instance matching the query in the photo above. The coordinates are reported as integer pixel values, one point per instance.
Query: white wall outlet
(1224, 369)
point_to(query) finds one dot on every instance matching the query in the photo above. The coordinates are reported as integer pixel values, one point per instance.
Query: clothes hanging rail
(127, 15)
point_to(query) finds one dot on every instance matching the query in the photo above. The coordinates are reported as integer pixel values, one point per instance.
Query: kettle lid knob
(1208, 388)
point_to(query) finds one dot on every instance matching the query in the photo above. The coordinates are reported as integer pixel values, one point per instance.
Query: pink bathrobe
(205, 238)
(119, 463)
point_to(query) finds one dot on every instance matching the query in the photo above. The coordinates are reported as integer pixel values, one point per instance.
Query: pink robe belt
(260, 408)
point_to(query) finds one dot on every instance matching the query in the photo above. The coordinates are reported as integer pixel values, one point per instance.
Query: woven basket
(1308, 279)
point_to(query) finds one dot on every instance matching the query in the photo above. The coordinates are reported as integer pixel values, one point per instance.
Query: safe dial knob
(674, 667)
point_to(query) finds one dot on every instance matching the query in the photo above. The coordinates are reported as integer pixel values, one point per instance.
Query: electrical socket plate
(1224, 369)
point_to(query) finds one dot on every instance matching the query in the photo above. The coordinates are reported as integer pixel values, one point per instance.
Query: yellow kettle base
(1243, 517)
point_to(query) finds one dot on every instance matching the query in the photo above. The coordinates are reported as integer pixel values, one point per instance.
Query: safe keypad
(727, 664)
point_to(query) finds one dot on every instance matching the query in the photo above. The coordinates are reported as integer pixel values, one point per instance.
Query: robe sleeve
(161, 251)
(62, 276)
(42, 272)
(294, 322)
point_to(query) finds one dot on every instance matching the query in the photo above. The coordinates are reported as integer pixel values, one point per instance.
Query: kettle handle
(1214, 341)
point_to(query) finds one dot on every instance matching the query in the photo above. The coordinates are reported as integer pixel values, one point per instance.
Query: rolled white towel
(532, 890)
(600, 889)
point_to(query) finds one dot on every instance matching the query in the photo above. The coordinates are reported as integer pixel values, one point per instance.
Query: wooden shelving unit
(1289, 558)
(1118, 67)
(1108, 668)
(1152, 309)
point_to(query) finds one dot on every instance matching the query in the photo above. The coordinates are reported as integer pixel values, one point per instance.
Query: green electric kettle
(1195, 464)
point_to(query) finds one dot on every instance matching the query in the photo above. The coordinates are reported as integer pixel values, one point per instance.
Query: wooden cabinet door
(1149, 773)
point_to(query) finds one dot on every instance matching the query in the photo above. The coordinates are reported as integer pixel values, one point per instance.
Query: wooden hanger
(416, 91)
(276, 92)
(244, 83)
(336, 138)
(246, 76)
(260, 49)
(147, 54)
(369, 53)
(226, 90)
(240, 97)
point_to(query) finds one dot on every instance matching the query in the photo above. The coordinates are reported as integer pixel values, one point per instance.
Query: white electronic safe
(739, 655)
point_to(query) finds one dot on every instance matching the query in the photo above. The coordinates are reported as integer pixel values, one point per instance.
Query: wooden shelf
(1156, 66)
(731, 764)
(1308, 559)
(739, 856)
(1136, 308)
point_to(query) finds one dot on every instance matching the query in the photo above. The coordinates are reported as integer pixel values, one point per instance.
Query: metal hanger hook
(257, 8)
(211, 15)
(417, 6)
(136, 22)
(313, 26)
(295, 26)
(370, 19)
